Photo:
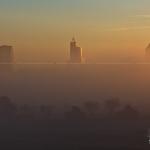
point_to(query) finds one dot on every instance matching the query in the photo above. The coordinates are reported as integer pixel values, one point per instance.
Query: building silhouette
(6, 54)
(75, 52)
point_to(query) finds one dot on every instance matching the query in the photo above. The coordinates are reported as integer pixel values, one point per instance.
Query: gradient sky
(105, 29)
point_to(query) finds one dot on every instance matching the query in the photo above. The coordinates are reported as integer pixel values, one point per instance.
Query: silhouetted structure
(6, 54)
(75, 52)
(7, 108)
(147, 52)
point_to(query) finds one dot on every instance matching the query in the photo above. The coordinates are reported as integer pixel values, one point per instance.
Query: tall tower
(6, 54)
(73, 43)
(75, 52)
(147, 50)
(6, 58)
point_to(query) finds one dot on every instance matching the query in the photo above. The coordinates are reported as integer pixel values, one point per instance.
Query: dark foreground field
(90, 117)
(83, 135)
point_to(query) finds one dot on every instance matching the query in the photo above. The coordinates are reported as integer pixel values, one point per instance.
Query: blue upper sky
(80, 5)
(90, 9)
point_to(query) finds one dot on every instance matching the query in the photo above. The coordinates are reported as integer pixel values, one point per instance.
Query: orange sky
(106, 30)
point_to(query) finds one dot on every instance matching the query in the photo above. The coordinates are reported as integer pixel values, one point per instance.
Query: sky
(107, 30)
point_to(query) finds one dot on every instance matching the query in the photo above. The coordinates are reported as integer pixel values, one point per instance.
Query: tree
(92, 108)
(7, 108)
(46, 111)
(112, 105)
(128, 112)
(75, 113)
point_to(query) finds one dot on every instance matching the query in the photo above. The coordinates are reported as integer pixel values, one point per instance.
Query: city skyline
(108, 30)
(75, 55)
(7, 54)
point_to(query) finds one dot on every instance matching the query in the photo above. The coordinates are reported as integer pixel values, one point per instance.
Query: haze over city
(107, 30)
(75, 74)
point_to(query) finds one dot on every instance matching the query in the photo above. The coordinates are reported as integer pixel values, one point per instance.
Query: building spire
(73, 39)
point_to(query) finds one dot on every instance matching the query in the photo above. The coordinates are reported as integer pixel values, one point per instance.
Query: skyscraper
(75, 52)
(148, 50)
(6, 54)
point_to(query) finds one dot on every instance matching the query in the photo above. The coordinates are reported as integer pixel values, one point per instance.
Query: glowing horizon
(105, 29)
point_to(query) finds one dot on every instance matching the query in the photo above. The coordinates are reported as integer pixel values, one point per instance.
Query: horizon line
(65, 63)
